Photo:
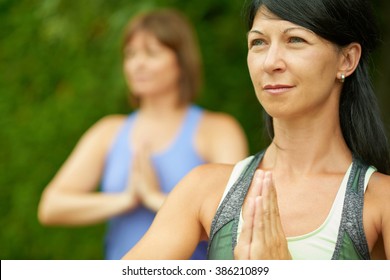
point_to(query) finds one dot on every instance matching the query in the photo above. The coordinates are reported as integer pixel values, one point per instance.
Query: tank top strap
(230, 208)
(121, 140)
(351, 240)
(118, 152)
(191, 122)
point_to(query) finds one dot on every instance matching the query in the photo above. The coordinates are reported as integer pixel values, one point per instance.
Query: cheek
(253, 68)
(126, 69)
(325, 66)
(170, 70)
(255, 72)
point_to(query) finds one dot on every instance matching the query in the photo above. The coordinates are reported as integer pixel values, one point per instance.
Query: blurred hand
(262, 235)
(145, 179)
(130, 194)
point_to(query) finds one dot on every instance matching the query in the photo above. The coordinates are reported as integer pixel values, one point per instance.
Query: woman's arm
(386, 228)
(185, 217)
(70, 198)
(176, 229)
(376, 216)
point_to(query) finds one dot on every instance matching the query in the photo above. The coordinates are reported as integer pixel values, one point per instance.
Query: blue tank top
(125, 230)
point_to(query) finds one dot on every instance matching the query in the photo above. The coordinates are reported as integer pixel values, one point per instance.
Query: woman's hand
(130, 195)
(262, 235)
(145, 180)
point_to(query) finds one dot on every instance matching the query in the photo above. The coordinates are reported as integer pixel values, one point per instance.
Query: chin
(142, 93)
(278, 113)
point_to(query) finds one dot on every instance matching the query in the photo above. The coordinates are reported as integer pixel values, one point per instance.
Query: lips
(140, 78)
(277, 89)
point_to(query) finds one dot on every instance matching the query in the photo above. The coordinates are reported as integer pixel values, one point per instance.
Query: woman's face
(294, 71)
(150, 67)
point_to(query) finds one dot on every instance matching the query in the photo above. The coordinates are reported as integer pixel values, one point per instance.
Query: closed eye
(129, 53)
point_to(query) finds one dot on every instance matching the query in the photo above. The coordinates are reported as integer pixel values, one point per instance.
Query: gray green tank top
(351, 241)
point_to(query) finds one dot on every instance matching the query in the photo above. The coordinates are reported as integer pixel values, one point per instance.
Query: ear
(350, 57)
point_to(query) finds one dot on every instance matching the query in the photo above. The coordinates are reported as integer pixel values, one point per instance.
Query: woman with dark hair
(321, 189)
(138, 158)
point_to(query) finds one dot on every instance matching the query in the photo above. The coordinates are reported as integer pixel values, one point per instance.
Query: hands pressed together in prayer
(143, 186)
(262, 235)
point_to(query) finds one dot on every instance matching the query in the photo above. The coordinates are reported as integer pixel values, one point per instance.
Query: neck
(308, 146)
(161, 107)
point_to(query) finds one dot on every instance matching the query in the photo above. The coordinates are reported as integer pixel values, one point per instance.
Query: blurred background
(61, 71)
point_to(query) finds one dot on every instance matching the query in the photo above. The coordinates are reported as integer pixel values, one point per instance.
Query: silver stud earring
(342, 78)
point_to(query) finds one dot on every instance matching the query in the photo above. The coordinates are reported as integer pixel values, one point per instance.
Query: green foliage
(60, 66)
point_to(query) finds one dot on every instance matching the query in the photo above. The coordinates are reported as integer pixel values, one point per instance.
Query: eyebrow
(284, 32)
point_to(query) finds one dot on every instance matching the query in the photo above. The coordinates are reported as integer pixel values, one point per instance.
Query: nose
(274, 59)
(134, 63)
(137, 60)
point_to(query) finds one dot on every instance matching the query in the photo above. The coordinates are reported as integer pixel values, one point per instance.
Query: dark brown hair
(343, 22)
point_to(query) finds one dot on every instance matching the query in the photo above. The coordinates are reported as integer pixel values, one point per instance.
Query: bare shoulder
(105, 129)
(377, 198)
(82, 169)
(377, 208)
(221, 138)
(203, 188)
(218, 120)
(207, 179)
(96, 141)
(379, 186)
(109, 123)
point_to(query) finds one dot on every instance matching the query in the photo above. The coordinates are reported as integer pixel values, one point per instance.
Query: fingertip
(268, 181)
(268, 175)
(258, 175)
